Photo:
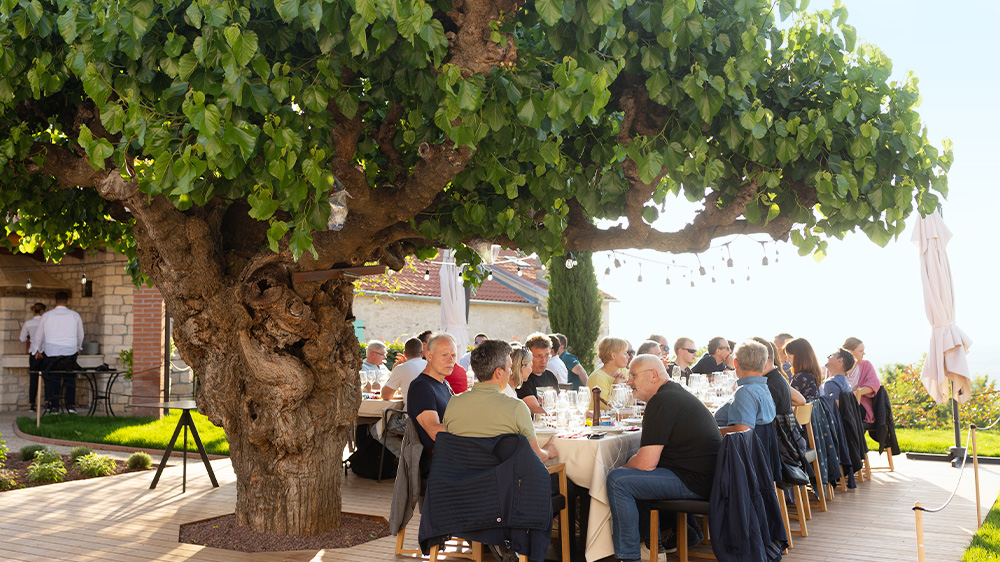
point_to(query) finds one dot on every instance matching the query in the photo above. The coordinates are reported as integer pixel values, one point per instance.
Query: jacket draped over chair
(884, 430)
(492, 490)
(744, 518)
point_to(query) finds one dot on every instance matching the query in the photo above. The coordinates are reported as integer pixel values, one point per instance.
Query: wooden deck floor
(119, 518)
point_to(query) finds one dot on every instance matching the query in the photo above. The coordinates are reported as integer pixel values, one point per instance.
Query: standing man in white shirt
(59, 339)
(31, 344)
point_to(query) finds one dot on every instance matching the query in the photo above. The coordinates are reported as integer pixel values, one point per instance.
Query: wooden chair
(682, 508)
(803, 414)
(562, 514)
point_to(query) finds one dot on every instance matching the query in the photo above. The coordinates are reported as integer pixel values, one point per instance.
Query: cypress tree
(575, 305)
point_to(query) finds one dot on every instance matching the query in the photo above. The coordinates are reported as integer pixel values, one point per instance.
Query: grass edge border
(104, 446)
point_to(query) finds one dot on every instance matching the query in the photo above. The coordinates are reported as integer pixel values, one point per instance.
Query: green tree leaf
(600, 11)
(287, 9)
(549, 10)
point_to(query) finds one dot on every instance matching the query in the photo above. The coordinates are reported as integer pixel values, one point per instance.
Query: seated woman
(614, 353)
(862, 378)
(805, 368)
(837, 364)
(520, 368)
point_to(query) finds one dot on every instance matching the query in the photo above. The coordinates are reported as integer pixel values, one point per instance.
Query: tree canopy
(447, 122)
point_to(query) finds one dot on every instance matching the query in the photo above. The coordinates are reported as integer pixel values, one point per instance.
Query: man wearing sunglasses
(715, 359)
(686, 353)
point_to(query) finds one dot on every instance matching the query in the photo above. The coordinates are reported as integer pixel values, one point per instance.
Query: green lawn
(149, 433)
(938, 441)
(986, 543)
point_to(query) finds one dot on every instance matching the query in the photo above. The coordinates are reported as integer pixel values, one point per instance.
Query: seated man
(429, 394)
(404, 373)
(485, 411)
(837, 365)
(539, 345)
(752, 404)
(375, 357)
(715, 359)
(685, 353)
(555, 364)
(676, 458)
(465, 361)
(577, 375)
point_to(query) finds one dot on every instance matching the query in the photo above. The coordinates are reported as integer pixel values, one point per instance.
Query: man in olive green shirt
(484, 410)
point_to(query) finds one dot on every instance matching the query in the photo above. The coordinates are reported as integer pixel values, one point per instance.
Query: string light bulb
(668, 280)
(519, 273)
(569, 263)
(427, 275)
(763, 246)
(775, 255)
(639, 280)
(732, 281)
(607, 271)
(490, 276)
(27, 284)
(692, 283)
(83, 279)
(702, 270)
(617, 263)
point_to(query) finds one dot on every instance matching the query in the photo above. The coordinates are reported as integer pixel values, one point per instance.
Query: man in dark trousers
(30, 340)
(676, 458)
(60, 338)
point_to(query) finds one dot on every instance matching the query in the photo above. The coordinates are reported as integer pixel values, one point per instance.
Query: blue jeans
(628, 486)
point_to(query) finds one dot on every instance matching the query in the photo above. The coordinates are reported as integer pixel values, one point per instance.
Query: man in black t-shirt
(539, 345)
(676, 458)
(715, 359)
(429, 394)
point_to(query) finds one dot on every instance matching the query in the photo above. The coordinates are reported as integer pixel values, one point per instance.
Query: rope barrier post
(975, 471)
(918, 512)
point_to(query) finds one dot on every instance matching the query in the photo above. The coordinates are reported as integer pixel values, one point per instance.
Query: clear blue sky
(859, 289)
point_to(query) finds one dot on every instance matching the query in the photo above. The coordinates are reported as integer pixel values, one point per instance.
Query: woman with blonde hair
(805, 368)
(520, 368)
(614, 353)
(862, 378)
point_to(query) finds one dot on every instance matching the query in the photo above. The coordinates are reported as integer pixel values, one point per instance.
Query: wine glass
(619, 397)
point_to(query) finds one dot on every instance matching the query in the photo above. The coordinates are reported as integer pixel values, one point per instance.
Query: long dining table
(588, 462)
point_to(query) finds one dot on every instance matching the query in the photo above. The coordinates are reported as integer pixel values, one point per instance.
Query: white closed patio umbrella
(453, 302)
(946, 357)
(945, 363)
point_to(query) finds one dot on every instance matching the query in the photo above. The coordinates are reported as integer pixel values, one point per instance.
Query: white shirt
(60, 332)
(28, 333)
(466, 361)
(558, 369)
(404, 374)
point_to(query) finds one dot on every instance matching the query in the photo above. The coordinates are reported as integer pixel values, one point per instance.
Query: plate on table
(605, 429)
(545, 431)
(632, 421)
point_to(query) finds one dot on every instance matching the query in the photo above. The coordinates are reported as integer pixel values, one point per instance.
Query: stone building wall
(392, 318)
(106, 315)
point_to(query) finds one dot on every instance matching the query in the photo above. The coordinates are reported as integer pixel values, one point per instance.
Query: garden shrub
(93, 464)
(139, 460)
(3, 452)
(77, 452)
(28, 452)
(46, 472)
(47, 456)
(8, 479)
(913, 408)
(394, 348)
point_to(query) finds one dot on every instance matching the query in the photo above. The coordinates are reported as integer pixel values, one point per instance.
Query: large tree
(205, 137)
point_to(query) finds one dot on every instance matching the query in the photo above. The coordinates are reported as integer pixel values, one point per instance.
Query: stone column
(148, 323)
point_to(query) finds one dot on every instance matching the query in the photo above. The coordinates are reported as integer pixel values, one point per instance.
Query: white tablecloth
(588, 462)
(374, 408)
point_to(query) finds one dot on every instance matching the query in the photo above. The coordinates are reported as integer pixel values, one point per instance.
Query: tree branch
(713, 222)
(385, 134)
(471, 48)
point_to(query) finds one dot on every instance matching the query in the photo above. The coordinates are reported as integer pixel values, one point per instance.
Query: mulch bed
(223, 532)
(15, 463)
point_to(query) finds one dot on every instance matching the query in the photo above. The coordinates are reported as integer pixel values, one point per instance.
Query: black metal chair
(386, 431)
